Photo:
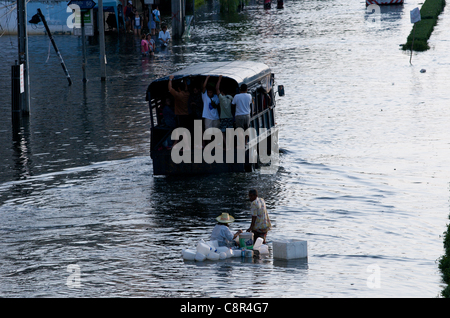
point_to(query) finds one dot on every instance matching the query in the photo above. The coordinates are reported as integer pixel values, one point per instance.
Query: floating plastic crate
(290, 249)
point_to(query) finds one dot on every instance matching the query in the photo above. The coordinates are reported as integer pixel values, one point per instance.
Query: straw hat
(225, 218)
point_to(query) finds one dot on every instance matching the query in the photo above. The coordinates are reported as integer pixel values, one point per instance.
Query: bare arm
(170, 84)
(252, 225)
(218, 85)
(204, 84)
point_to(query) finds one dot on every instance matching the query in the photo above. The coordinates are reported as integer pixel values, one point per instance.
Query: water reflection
(299, 264)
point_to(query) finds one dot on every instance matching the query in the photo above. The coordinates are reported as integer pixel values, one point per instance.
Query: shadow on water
(195, 202)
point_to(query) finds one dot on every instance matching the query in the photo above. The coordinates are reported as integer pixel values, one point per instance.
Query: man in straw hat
(221, 231)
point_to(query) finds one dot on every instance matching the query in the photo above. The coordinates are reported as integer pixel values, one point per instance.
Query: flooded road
(364, 175)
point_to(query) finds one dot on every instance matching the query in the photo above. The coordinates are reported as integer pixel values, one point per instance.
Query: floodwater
(363, 177)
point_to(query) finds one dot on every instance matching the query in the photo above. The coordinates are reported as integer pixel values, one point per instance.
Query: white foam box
(289, 249)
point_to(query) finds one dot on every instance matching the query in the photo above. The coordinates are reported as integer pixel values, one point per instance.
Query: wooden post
(83, 46)
(412, 44)
(101, 30)
(23, 55)
(15, 95)
(177, 18)
(49, 33)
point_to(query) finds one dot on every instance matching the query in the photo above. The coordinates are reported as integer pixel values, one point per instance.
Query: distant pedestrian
(157, 15)
(164, 36)
(144, 46)
(151, 45)
(129, 16)
(137, 24)
(152, 24)
(260, 219)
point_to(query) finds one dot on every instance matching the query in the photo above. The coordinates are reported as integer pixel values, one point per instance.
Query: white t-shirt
(242, 102)
(164, 36)
(208, 111)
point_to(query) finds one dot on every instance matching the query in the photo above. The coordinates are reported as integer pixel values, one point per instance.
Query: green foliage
(429, 15)
(199, 3)
(230, 5)
(444, 264)
(431, 9)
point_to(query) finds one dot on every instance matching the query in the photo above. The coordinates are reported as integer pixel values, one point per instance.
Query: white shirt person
(164, 36)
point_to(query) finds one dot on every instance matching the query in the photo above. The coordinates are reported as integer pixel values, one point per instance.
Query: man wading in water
(260, 219)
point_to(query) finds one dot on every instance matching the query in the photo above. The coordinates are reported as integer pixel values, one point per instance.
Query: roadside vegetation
(231, 5)
(444, 264)
(199, 3)
(429, 15)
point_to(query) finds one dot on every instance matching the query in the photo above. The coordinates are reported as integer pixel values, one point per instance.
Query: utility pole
(84, 6)
(49, 33)
(24, 98)
(83, 46)
(101, 30)
(177, 18)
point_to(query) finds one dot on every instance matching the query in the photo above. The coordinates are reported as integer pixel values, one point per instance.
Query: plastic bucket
(246, 240)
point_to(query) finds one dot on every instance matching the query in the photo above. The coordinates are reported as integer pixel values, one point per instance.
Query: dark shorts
(257, 234)
(242, 121)
(226, 123)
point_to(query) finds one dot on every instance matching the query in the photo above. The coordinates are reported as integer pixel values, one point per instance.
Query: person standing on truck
(242, 102)
(226, 117)
(242, 105)
(210, 108)
(181, 97)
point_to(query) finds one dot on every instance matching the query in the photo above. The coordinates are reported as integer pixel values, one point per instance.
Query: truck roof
(243, 72)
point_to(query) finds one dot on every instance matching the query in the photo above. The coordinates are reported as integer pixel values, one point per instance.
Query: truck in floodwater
(180, 148)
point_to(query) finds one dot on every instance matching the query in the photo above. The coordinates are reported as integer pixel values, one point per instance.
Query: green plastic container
(246, 240)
